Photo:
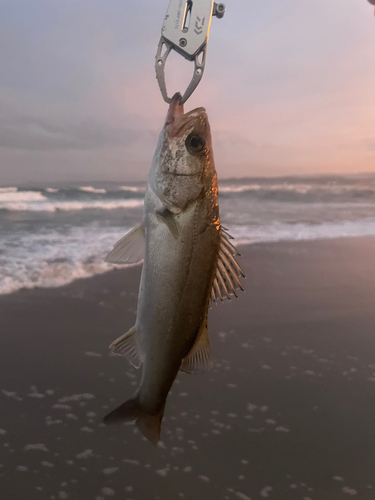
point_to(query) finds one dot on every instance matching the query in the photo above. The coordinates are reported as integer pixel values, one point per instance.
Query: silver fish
(188, 262)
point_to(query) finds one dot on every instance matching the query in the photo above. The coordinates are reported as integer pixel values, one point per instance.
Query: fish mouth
(175, 111)
(177, 122)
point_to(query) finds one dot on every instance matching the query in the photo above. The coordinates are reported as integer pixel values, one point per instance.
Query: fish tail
(126, 412)
(148, 424)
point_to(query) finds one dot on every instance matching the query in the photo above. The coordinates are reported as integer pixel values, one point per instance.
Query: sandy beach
(287, 413)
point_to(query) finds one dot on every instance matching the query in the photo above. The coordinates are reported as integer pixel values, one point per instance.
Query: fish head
(183, 162)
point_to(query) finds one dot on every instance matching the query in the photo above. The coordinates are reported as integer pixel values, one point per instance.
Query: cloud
(40, 134)
(287, 88)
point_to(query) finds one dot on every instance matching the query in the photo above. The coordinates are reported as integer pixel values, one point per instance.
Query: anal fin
(127, 345)
(199, 358)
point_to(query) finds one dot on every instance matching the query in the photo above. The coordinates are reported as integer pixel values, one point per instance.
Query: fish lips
(178, 124)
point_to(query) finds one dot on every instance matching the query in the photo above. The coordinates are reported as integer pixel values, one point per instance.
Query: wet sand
(288, 412)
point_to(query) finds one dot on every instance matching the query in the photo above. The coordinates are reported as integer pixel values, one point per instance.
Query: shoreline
(238, 243)
(288, 405)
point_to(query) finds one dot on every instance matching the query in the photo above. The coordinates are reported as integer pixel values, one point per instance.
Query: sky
(289, 88)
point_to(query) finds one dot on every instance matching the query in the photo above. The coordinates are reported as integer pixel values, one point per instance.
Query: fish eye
(195, 144)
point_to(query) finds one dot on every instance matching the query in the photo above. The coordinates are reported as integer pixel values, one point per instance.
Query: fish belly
(173, 300)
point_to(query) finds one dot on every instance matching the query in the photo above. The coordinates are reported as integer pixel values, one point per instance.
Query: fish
(189, 263)
(372, 2)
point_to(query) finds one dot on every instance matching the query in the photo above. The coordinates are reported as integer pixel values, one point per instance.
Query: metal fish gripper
(186, 29)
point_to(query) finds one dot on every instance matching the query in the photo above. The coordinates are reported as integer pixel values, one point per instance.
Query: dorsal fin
(127, 345)
(199, 358)
(130, 249)
(228, 271)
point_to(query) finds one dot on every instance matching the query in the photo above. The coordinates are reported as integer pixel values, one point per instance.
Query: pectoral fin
(130, 249)
(166, 216)
(199, 358)
(127, 345)
(228, 271)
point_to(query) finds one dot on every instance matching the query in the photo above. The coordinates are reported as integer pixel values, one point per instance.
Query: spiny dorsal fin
(199, 358)
(127, 345)
(228, 271)
(130, 249)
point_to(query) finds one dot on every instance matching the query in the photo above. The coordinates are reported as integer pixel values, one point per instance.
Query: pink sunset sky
(289, 88)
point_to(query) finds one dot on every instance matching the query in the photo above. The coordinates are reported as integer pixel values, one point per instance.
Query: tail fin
(148, 424)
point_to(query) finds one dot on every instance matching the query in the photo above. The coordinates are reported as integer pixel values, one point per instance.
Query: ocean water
(53, 235)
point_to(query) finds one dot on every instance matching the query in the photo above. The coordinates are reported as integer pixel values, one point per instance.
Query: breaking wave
(71, 206)
(13, 200)
(15, 196)
(302, 192)
(57, 258)
(90, 189)
(133, 189)
(52, 236)
(53, 275)
(302, 231)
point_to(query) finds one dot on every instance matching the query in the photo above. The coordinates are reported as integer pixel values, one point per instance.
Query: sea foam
(50, 236)
(42, 204)
(57, 258)
(90, 189)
